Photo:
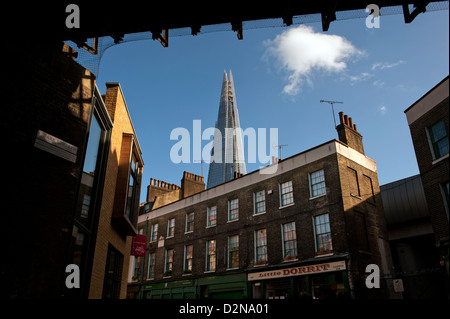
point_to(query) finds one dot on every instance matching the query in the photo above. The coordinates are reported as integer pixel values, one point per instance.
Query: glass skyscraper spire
(227, 154)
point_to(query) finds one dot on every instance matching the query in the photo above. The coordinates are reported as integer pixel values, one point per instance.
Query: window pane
(323, 233)
(261, 246)
(211, 221)
(233, 251)
(90, 159)
(233, 209)
(439, 139)
(317, 183)
(286, 193)
(438, 131)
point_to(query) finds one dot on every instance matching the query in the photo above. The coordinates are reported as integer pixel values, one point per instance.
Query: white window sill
(318, 196)
(209, 271)
(439, 159)
(258, 214)
(260, 265)
(232, 221)
(324, 255)
(289, 260)
(285, 206)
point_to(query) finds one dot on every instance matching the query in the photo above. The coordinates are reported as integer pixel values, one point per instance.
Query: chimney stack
(191, 184)
(348, 134)
(158, 187)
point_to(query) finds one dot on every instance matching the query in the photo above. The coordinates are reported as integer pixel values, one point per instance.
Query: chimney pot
(341, 117)
(346, 119)
(350, 122)
(354, 127)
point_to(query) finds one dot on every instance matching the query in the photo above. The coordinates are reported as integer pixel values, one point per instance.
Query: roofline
(129, 116)
(322, 151)
(423, 96)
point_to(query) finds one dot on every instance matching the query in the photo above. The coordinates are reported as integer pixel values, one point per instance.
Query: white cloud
(383, 109)
(300, 51)
(378, 83)
(358, 78)
(386, 65)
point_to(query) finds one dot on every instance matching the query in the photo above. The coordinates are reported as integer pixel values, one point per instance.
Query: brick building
(306, 231)
(428, 122)
(120, 202)
(64, 203)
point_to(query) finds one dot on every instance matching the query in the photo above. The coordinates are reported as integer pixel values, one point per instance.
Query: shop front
(229, 286)
(318, 281)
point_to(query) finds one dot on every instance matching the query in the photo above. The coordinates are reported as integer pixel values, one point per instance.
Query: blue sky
(377, 73)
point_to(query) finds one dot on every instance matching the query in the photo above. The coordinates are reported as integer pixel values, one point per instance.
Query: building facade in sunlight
(307, 231)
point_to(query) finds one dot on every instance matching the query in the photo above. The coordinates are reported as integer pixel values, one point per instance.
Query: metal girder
(162, 36)
(237, 27)
(419, 7)
(329, 15)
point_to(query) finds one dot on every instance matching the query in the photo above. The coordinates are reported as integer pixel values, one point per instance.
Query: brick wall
(45, 90)
(432, 175)
(115, 104)
(338, 204)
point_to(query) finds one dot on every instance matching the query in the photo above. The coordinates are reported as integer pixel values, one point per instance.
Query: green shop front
(220, 286)
(315, 281)
(326, 280)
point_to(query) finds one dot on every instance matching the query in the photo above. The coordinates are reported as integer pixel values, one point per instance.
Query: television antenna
(279, 149)
(332, 108)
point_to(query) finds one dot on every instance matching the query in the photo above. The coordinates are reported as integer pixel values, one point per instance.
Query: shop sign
(138, 245)
(298, 271)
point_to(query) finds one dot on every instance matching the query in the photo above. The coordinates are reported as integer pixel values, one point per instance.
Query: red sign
(138, 245)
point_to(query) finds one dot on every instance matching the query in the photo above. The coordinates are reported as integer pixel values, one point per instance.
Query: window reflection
(85, 197)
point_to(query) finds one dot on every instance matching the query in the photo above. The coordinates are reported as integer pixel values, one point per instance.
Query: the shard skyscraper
(227, 154)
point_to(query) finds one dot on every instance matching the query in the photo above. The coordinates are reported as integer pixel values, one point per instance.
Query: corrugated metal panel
(404, 200)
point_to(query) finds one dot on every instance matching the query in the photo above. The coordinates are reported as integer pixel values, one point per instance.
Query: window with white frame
(169, 262)
(322, 233)
(151, 266)
(188, 253)
(233, 251)
(189, 222)
(211, 218)
(317, 183)
(171, 227)
(289, 241)
(259, 199)
(286, 194)
(438, 139)
(260, 246)
(233, 209)
(154, 233)
(211, 255)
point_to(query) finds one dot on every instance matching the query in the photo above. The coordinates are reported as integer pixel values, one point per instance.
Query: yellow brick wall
(106, 235)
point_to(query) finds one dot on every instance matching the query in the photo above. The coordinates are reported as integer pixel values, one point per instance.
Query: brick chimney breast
(348, 134)
(191, 184)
